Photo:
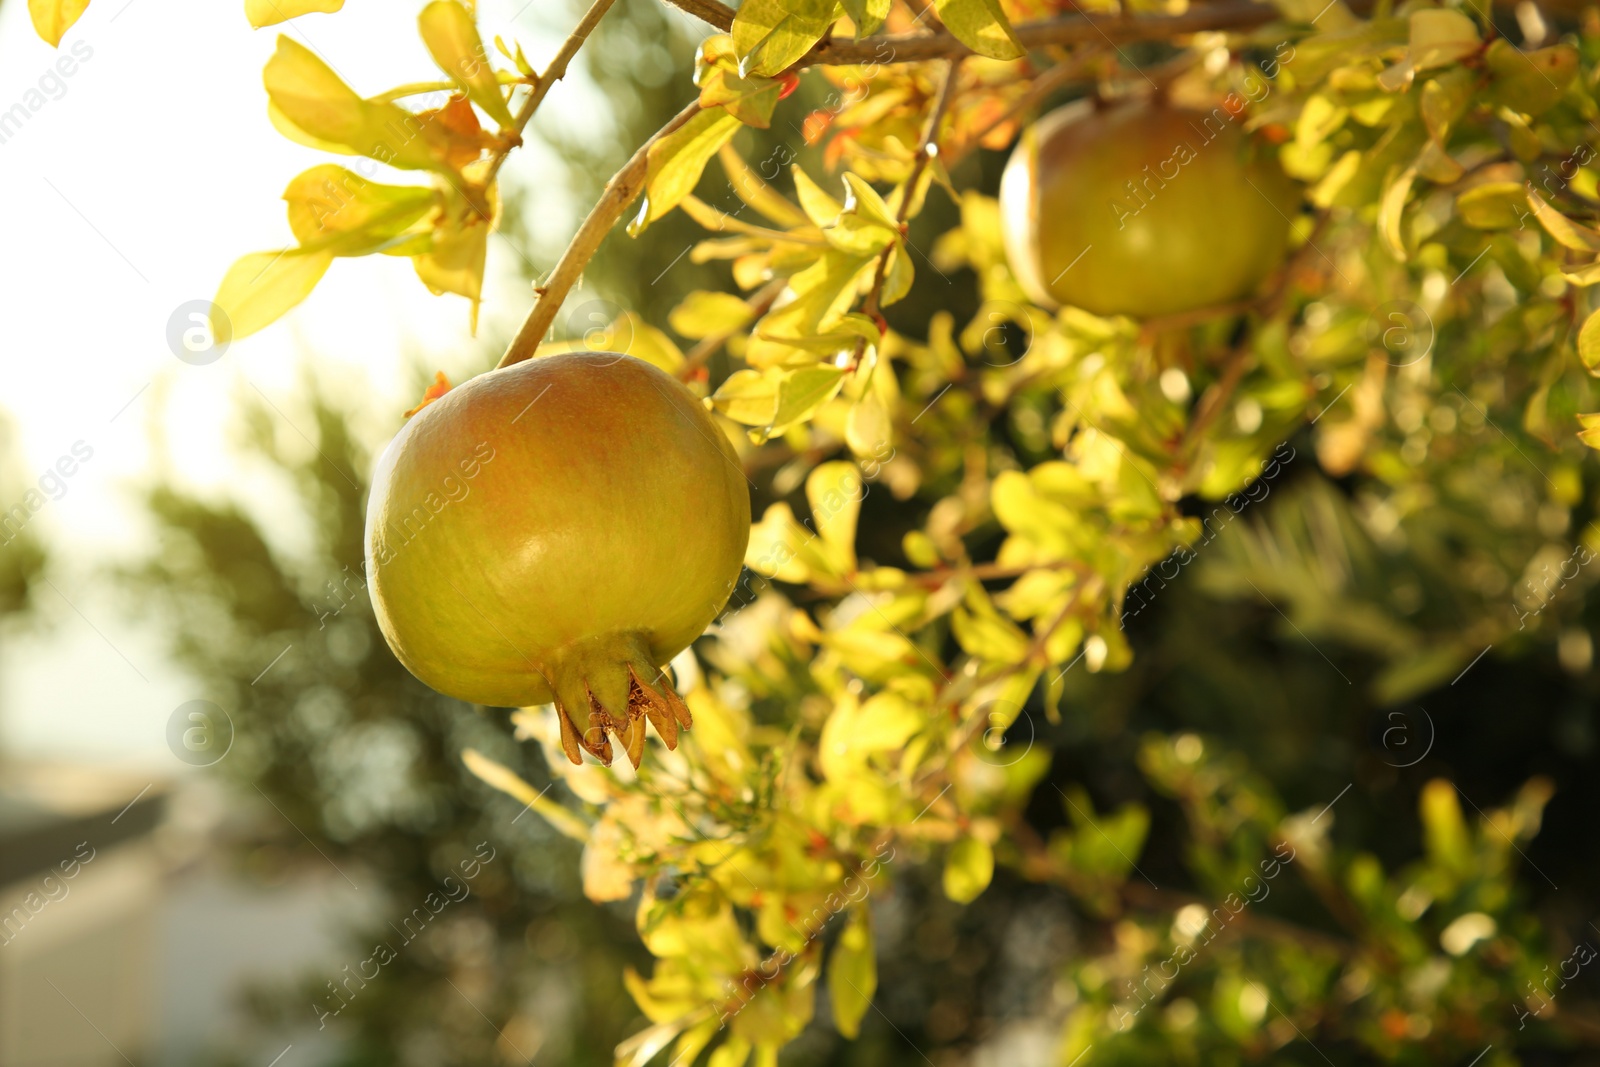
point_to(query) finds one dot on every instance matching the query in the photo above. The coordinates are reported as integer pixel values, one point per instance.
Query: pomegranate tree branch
(982, 572)
(1065, 29)
(620, 191)
(927, 149)
(1217, 397)
(552, 74)
(712, 12)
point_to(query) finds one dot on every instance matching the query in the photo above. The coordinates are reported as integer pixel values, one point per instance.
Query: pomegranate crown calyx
(440, 386)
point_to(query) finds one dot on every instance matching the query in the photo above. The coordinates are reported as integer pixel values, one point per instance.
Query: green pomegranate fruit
(557, 531)
(1142, 209)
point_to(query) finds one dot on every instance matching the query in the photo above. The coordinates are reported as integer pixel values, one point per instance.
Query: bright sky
(130, 191)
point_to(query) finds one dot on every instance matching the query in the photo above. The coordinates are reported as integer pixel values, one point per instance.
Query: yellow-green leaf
(53, 18)
(868, 15)
(1530, 82)
(334, 208)
(716, 71)
(749, 187)
(281, 123)
(310, 96)
(1492, 205)
(858, 236)
(853, 972)
(1391, 210)
(1319, 119)
(731, 1053)
(987, 635)
(747, 396)
(705, 312)
(968, 869)
(769, 35)
(750, 100)
(803, 391)
(1567, 233)
(1589, 343)
(822, 209)
(783, 549)
(1590, 432)
(1436, 165)
(1440, 36)
(271, 12)
(1444, 831)
(867, 430)
(1584, 276)
(452, 39)
(854, 731)
(865, 201)
(981, 26)
(825, 290)
(834, 491)
(259, 288)
(678, 160)
(308, 93)
(897, 279)
(455, 261)
(1443, 99)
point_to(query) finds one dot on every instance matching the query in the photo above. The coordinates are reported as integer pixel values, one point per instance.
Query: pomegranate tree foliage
(1425, 345)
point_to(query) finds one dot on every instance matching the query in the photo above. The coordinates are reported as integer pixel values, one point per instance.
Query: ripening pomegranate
(557, 531)
(1142, 209)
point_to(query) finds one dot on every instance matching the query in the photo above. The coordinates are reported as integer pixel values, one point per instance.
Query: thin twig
(927, 149)
(1218, 395)
(990, 571)
(1238, 361)
(711, 12)
(552, 74)
(620, 191)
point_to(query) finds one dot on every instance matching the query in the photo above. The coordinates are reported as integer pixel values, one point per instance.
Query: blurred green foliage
(22, 557)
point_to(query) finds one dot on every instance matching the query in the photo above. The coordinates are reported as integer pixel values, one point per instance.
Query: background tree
(21, 555)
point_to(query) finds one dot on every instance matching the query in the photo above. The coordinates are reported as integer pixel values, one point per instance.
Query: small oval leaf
(53, 18)
(1589, 343)
(261, 287)
(271, 12)
(968, 869)
(452, 38)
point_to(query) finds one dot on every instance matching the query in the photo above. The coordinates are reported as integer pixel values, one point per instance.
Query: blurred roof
(48, 809)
